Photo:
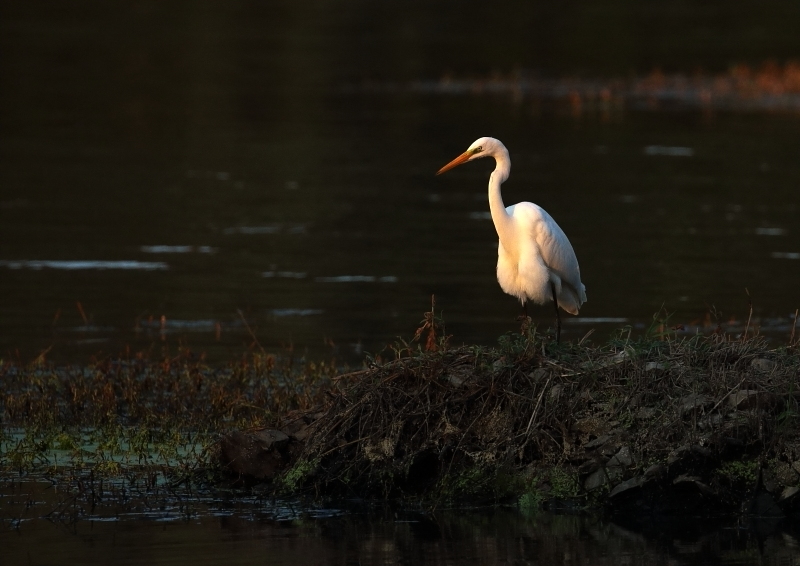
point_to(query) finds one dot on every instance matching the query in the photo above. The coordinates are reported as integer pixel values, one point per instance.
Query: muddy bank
(701, 425)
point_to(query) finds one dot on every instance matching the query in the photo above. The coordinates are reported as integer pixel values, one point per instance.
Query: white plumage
(535, 261)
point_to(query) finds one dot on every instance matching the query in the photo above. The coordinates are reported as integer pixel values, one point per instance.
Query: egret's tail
(569, 299)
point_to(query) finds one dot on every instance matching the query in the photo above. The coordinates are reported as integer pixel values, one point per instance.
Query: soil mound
(704, 422)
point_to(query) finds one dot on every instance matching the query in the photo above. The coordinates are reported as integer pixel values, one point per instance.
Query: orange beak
(463, 158)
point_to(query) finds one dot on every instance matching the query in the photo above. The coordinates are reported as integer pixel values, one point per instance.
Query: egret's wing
(552, 243)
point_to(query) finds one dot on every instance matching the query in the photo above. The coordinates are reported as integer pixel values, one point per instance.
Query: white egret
(535, 261)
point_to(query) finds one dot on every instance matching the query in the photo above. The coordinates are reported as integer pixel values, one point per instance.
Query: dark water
(41, 525)
(164, 165)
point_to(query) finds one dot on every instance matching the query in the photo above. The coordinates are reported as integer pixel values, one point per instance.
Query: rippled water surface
(197, 174)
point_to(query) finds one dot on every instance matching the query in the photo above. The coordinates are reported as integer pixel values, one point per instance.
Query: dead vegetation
(634, 420)
(572, 422)
(180, 392)
(149, 423)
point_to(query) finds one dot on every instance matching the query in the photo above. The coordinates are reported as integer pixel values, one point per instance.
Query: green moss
(565, 483)
(478, 483)
(294, 478)
(460, 484)
(557, 483)
(739, 471)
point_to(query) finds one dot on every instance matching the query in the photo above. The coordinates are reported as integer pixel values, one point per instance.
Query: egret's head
(482, 147)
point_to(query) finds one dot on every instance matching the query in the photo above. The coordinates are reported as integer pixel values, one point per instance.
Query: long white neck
(502, 220)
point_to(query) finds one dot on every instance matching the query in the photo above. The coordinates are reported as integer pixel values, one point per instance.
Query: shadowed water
(42, 525)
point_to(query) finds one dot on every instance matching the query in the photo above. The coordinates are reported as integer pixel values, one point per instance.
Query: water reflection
(672, 151)
(770, 231)
(173, 325)
(285, 274)
(357, 279)
(596, 320)
(42, 524)
(178, 249)
(269, 229)
(84, 264)
(771, 87)
(295, 312)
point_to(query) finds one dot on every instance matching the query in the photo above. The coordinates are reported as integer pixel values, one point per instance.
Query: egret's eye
(478, 149)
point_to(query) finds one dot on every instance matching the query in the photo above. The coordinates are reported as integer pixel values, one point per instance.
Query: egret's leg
(524, 318)
(558, 315)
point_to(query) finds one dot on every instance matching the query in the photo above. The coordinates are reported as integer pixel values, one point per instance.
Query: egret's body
(535, 261)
